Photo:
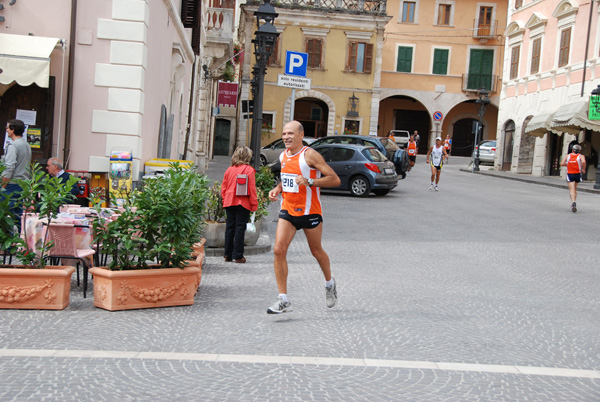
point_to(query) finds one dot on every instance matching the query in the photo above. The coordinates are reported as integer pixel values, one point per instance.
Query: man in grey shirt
(17, 160)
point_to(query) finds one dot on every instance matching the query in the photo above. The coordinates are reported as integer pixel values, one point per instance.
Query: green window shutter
(480, 69)
(440, 61)
(404, 59)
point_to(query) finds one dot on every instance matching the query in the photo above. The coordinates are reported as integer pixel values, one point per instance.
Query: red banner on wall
(227, 94)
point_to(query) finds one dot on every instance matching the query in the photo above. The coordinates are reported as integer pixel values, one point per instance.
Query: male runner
(575, 163)
(411, 149)
(438, 154)
(303, 172)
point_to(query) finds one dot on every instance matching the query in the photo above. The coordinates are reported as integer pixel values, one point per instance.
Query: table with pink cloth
(35, 228)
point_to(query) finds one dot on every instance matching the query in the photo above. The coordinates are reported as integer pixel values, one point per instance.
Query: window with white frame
(441, 57)
(565, 14)
(404, 58)
(536, 55)
(409, 11)
(314, 45)
(515, 53)
(360, 53)
(444, 13)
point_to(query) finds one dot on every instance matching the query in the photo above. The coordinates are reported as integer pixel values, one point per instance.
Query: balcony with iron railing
(475, 82)
(376, 7)
(484, 29)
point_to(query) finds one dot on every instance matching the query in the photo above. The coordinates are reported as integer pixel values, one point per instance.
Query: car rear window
(389, 144)
(373, 155)
(491, 144)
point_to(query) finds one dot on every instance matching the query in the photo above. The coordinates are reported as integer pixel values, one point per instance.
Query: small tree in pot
(30, 286)
(163, 227)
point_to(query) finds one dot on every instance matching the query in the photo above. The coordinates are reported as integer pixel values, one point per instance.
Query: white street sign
(293, 82)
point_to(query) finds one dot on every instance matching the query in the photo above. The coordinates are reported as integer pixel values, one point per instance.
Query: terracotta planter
(145, 288)
(41, 289)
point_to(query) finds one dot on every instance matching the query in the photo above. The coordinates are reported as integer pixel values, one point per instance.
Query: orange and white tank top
(574, 164)
(412, 148)
(298, 200)
(447, 143)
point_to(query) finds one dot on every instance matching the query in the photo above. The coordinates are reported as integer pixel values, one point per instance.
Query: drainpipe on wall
(69, 111)
(191, 108)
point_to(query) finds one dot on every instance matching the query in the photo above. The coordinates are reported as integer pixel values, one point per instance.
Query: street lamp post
(595, 101)
(264, 39)
(483, 102)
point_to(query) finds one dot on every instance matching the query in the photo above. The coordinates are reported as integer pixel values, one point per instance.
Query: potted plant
(264, 183)
(159, 223)
(33, 284)
(213, 227)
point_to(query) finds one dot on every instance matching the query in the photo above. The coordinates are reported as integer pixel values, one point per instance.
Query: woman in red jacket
(238, 191)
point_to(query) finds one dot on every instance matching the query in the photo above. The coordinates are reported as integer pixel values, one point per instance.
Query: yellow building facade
(437, 56)
(344, 46)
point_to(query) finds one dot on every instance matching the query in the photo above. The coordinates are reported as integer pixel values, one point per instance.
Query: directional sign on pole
(296, 63)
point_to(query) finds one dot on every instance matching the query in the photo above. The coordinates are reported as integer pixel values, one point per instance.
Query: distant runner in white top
(437, 154)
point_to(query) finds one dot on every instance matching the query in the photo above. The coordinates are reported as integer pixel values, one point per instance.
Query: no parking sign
(437, 116)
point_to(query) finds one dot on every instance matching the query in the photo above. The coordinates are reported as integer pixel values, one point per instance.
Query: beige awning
(538, 126)
(25, 59)
(571, 118)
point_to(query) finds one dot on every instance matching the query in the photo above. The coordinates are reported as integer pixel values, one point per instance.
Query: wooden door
(41, 100)
(485, 21)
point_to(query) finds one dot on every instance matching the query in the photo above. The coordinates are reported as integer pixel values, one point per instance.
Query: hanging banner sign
(227, 94)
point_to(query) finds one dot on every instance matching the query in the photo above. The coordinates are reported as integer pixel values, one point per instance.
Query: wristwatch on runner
(311, 182)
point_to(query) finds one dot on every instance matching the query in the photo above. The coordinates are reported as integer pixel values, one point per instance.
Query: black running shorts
(301, 222)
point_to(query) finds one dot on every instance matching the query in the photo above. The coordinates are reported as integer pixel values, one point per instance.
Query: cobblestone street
(487, 290)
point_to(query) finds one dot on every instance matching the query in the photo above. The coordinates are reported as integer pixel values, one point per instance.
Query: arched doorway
(463, 137)
(312, 113)
(222, 132)
(507, 150)
(400, 112)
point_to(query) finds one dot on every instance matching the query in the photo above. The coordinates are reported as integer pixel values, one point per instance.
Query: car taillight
(494, 149)
(372, 167)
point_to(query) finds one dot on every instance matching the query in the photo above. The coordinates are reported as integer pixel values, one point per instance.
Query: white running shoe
(279, 307)
(431, 187)
(436, 189)
(331, 294)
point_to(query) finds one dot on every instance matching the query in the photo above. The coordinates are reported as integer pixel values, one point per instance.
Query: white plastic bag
(250, 226)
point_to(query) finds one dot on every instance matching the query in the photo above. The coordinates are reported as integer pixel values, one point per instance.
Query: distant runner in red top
(411, 149)
(575, 163)
(448, 144)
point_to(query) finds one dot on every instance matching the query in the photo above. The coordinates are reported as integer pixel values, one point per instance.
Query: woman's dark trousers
(237, 218)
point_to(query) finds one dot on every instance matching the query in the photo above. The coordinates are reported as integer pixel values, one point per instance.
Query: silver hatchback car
(487, 151)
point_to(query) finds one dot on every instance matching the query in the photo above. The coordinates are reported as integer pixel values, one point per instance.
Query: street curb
(263, 245)
(531, 181)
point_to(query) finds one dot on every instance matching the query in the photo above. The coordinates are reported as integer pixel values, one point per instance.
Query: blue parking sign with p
(296, 63)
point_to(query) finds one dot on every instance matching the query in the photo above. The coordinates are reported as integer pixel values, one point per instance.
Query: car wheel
(381, 192)
(359, 186)
(263, 160)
